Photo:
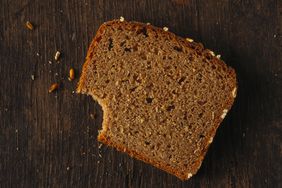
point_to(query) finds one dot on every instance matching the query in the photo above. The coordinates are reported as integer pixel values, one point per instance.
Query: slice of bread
(163, 96)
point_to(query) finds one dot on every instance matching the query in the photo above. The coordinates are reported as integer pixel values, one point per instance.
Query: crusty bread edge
(141, 156)
(82, 88)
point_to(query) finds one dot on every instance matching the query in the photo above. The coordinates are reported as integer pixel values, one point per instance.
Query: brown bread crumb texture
(163, 97)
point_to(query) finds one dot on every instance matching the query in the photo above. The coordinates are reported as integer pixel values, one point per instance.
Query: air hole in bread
(133, 89)
(185, 117)
(127, 49)
(202, 103)
(170, 108)
(200, 115)
(122, 43)
(142, 31)
(110, 44)
(178, 48)
(149, 100)
(147, 143)
(181, 80)
(174, 92)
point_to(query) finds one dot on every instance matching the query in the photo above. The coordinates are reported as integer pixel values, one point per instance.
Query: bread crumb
(99, 146)
(218, 56)
(29, 25)
(37, 54)
(165, 28)
(189, 175)
(148, 23)
(32, 77)
(57, 55)
(121, 19)
(53, 87)
(210, 140)
(224, 113)
(73, 36)
(189, 40)
(50, 62)
(68, 168)
(234, 92)
(71, 74)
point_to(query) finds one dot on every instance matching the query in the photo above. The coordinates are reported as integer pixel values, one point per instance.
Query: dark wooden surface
(49, 140)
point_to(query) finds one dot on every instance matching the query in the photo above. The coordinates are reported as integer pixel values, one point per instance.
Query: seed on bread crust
(121, 19)
(212, 53)
(210, 140)
(165, 28)
(234, 92)
(224, 113)
(189, 39)
(189, 175)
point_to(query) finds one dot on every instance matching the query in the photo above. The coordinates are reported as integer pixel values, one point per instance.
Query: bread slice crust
(106, 139)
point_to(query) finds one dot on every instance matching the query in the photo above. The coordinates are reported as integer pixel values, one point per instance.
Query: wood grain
(49, 140)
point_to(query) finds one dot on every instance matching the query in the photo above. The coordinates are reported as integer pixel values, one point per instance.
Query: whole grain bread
(163, 96)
